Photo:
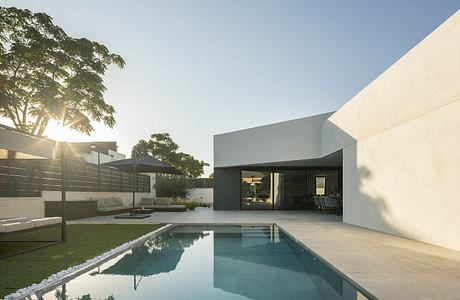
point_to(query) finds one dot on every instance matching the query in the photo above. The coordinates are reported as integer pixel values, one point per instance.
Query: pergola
(14, 141)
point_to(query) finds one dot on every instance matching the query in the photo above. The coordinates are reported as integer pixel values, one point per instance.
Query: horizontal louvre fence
(28, 177)
(199, 183)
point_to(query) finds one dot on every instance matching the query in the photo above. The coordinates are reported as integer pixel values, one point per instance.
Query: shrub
(175, 187)
(191, 205)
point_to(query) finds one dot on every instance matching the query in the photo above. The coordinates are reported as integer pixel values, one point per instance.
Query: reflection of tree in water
(155, 256)
(61, 295)
(172, 241)
(159, 255)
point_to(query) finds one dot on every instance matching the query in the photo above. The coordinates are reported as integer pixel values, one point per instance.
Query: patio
(387, 266)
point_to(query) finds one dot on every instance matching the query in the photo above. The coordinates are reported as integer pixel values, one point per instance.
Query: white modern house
(97, 152)
(390, 156)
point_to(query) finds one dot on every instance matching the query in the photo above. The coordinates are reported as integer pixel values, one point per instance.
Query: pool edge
(63, 276)
(359, 287)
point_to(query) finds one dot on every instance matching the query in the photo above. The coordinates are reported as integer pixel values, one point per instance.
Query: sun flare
(58, 132)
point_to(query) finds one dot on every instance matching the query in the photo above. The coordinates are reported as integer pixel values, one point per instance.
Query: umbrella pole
(134, 190)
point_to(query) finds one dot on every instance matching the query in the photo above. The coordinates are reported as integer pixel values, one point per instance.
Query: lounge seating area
(326, 203)
(111, 206)
(160, 204)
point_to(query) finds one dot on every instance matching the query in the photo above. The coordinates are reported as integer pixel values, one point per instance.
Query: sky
(196, 68)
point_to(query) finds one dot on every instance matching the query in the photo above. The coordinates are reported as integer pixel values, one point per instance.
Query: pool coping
(359, 287)
(58, 279)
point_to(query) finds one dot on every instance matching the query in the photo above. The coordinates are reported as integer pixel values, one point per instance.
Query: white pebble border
(65, 275)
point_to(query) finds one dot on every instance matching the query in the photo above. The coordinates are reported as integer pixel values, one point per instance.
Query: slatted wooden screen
(28, 177)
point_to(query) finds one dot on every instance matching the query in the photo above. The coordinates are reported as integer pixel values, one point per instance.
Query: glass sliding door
(256, 190)
(289, 189)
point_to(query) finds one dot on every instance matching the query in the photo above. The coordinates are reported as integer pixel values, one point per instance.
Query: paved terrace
(387, 266)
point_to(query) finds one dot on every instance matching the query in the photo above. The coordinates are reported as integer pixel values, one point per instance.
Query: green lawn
(84, 241)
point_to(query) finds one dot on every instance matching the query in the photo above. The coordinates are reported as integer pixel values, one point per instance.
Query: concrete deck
(387, 266)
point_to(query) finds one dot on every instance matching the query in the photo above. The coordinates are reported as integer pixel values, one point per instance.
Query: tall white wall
(406, 180)
(401, 140)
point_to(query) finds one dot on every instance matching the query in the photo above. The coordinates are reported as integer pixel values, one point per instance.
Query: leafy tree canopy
(162, 147)
(46, 74)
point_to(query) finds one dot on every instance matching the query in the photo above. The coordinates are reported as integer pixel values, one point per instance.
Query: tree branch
(43, 126)
(37, 122)
(24, 112)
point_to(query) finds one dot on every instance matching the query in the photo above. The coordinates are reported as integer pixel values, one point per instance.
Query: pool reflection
(160, 255)
(215, 262)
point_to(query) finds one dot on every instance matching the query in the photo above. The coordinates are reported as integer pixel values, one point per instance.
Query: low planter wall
(34, 207)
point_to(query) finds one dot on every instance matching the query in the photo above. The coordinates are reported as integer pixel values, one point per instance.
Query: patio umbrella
(142, 164)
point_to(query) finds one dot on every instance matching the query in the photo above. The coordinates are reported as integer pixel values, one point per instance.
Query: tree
(46, 74)
(174, 187)
(162, 147)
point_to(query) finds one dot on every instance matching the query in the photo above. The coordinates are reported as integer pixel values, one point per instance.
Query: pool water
(212, 262)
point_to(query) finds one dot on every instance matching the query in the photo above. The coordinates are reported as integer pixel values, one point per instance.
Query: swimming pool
(212, 262)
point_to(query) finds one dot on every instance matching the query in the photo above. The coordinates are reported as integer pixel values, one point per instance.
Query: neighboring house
(391, 153)
(17, 145)
(97, 152)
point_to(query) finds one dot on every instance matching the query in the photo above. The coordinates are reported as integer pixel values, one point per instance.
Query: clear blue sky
(198, 68)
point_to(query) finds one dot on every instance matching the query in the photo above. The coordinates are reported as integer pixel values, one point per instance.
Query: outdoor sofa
(16, 225)
(160, 204)
(12, 229)
(110, 206)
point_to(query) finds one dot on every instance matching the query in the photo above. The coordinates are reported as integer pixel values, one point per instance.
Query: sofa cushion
(147, 201)
(100, 202)
(160, 206)
(118, 201)
(110, 202)
(46, 221)
(12, 220)
(163, 201)
(11, 227)
(177, 206)
(107, 202)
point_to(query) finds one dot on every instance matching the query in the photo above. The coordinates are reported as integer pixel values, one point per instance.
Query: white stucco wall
(285, 141)
(405, 180)
(401, 140)
(202, 194)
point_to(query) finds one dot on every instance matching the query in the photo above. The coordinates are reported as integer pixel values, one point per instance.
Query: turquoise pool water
(212, 262)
